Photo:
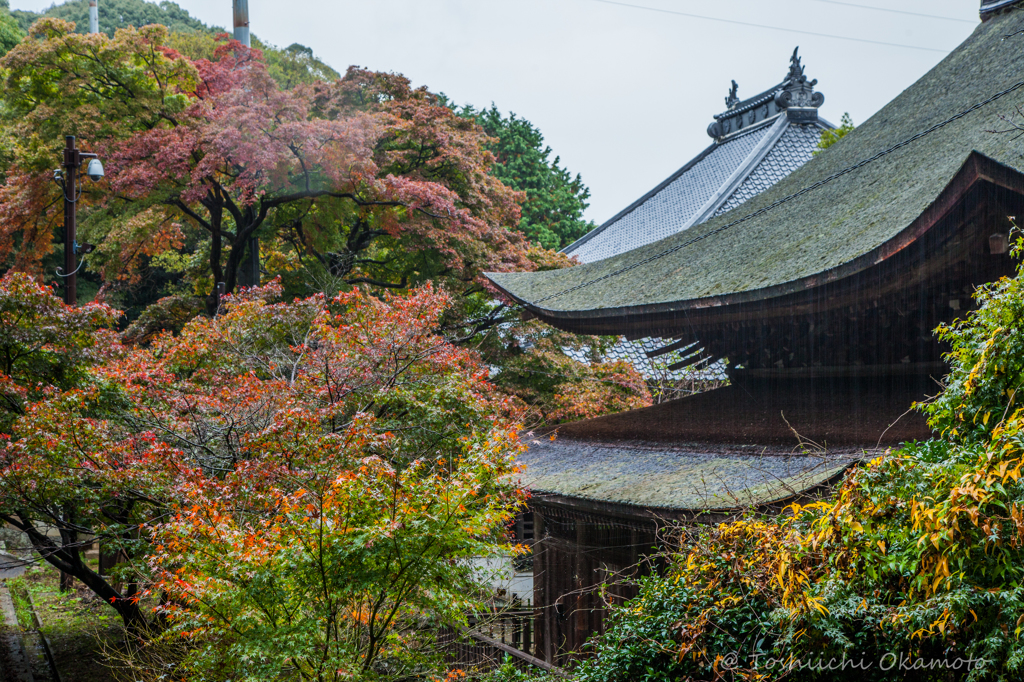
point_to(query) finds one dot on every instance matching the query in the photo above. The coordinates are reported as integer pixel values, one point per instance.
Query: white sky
(623, 95)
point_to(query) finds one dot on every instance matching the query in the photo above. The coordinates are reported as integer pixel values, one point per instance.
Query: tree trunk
(216, 249)
(69, 561)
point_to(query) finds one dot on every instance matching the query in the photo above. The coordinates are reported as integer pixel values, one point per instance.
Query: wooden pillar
(583, 583)
(542, 600)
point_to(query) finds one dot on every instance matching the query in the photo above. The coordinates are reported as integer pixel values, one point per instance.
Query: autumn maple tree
(364, 179)
(533, 363)
(292, 484)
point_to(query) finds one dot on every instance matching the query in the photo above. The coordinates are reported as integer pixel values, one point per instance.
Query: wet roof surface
(695, 453)
(832, 225)
(694, 478)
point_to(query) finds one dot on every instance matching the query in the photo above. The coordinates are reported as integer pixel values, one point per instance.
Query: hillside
(288, 66)
(116, 14)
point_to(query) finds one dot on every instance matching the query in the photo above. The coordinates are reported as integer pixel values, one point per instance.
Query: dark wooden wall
(582, 564)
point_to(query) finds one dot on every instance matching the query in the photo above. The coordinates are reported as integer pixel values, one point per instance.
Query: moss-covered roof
(840, 222)
(703, 478)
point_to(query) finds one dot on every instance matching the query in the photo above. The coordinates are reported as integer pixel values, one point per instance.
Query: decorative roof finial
(796, 71)
(733, 98)
(795, 95)
(798, 92)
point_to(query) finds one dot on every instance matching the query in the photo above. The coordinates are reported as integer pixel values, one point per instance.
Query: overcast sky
(623, 94)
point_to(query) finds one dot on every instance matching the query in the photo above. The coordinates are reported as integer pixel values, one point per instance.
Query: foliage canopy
(10, 32)
(115, 14)
(359, 180)
(363, 180)
(299, 484)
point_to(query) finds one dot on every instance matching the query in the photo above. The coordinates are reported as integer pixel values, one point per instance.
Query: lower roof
(754, 443)
(677, 478)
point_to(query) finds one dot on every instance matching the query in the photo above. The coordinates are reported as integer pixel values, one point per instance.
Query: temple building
(757, 142)
(822, 292)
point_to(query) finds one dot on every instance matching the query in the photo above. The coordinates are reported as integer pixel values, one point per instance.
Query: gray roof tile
(670, 207)
(683, 478)
(794, 149)
(635, 353)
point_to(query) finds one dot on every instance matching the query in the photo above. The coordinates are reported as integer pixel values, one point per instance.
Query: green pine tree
(555, 200)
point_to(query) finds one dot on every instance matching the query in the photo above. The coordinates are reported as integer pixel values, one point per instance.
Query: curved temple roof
(758, 142)
(855, 220)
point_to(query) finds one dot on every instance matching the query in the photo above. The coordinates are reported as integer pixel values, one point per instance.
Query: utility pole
(250, 267)
(68, 182)
(94, 17)
(71, 163)
(241, 12)
(66, 178)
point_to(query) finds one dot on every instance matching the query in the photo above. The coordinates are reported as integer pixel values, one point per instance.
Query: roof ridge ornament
(797, 91)
(796, 70)
(795, 95)
(733, 99)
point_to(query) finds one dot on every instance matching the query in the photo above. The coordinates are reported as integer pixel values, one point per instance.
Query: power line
(772, 28)
(899, 11)
(785, 200)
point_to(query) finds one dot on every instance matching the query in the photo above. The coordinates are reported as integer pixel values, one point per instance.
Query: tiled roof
(837, 215)
(734, 169)
(657, 368)
(670, 206)
(721, 178)
(697, 478)
(758, 141)
(990, 6)
(794, 149)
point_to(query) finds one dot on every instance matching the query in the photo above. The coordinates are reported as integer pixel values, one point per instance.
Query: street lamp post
(68, 181)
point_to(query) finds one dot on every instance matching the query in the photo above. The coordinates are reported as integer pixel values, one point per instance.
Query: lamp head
(94, 170)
